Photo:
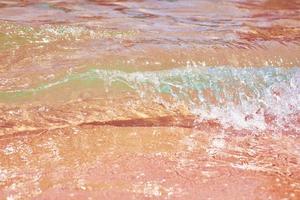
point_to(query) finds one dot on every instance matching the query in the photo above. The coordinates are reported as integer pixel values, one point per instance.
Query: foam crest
(243, 98)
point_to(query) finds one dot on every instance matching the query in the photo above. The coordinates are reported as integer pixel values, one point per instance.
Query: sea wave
(242, 98)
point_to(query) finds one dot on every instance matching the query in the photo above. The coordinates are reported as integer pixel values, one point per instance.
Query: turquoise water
(239, 97)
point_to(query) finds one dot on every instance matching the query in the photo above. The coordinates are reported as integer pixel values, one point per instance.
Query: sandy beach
(150, 99)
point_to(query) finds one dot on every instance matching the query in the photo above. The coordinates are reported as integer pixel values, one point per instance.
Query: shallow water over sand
(149, 99)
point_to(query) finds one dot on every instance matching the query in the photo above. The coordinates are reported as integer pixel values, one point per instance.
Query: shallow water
(145, 99)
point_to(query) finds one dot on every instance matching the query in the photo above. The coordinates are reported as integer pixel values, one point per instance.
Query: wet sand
(149, 163)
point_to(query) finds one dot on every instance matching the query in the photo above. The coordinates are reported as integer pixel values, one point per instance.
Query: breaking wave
(243, 98)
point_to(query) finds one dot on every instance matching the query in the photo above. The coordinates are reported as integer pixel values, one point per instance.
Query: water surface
(149, 99)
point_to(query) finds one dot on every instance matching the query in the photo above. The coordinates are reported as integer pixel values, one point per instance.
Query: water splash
(243, 98)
